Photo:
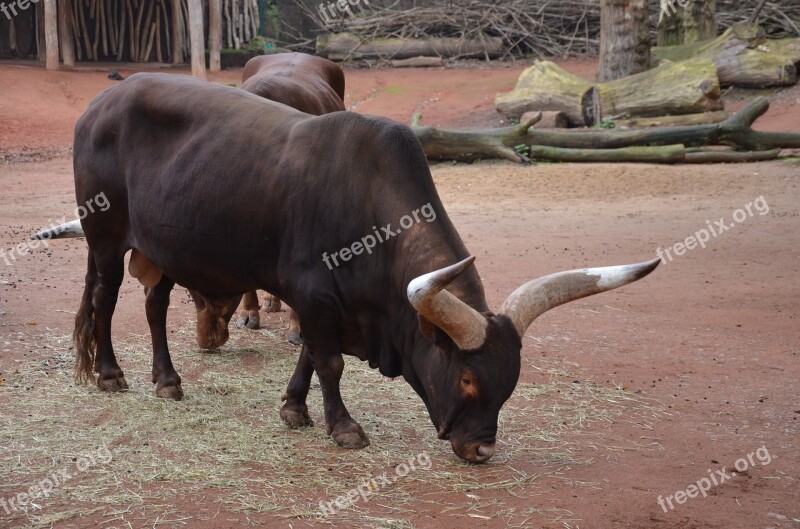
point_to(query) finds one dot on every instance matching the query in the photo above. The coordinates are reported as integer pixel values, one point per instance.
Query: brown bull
(204, 208)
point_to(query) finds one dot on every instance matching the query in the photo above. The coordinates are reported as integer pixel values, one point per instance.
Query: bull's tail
(68, 230)
(83, 337)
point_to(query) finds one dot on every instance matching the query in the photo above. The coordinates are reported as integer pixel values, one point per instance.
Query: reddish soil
(712, 335)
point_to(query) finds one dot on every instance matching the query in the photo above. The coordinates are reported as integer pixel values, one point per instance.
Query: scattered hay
(225, 448)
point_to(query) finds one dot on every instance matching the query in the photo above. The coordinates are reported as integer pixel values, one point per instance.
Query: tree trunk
(624, 39)
(743, 57)
(670, 24)
(545, 86)
(699, 22)
(686, 87)
(51, 34)
(214, 34)
(342, 46)
(196, 39)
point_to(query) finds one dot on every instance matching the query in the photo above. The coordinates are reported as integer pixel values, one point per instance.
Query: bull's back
(310, 84)
(183, 164)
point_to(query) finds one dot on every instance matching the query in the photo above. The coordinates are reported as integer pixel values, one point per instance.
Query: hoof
(295, 419)
(113, 385)
(170, 392)
(251, 320)
(295, 338)
(272, 305)
(351, 439)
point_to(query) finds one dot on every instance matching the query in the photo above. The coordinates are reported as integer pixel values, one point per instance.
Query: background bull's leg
(249, 316)
(329, 366)
(164, 375)
(271, 303)
(110, 269)
(295, 411)
(294, 328)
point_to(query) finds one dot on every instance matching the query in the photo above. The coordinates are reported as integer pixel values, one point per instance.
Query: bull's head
(476, 364)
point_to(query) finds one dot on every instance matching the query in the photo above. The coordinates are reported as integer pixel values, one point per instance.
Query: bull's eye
(466, 381)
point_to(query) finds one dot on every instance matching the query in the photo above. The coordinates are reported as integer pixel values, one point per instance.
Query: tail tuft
(83, 336)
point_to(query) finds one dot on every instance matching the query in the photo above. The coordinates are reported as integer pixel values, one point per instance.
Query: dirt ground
(642, 392)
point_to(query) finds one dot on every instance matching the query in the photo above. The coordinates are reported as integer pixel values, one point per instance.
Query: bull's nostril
(486, 450)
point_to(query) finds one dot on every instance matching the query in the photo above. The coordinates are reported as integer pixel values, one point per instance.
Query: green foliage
(606, 124)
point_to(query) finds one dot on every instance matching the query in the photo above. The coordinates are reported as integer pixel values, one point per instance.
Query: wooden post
(65, 34)
(624, 39)
(196, 38)
(177, 33)
(214, 34)
(51, 34)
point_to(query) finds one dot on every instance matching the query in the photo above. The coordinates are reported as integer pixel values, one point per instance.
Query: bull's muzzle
(474, 452)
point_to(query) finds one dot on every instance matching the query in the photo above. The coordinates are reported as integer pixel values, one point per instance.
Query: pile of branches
(779, 18)
(539, 28)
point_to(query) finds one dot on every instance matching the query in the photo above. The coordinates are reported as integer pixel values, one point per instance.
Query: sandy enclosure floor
(624, 397)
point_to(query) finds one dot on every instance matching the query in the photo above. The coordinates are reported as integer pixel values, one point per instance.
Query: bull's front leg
(329, 366)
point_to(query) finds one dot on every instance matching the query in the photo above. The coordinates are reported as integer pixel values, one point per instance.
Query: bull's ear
(434, 333)
(427, 328)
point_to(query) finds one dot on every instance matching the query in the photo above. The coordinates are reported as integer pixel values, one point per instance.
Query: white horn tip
(616, 276)
(435, 280)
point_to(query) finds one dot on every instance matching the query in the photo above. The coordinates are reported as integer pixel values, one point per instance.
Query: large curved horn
(536, 297)
(68, 230)
(463, 324)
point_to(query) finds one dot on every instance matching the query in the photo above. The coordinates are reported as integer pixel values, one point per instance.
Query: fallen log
(711, 156)
(661, 154)
(743, 57)
(672, 121)
(510, 143)
(686, 87)
(343, 46)
(418, 62)
(545, 87)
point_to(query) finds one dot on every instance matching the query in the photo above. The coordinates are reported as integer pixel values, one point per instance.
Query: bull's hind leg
(167, 380)
(249, 316)
(110, 269)
(271, 303)
(295, 411)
